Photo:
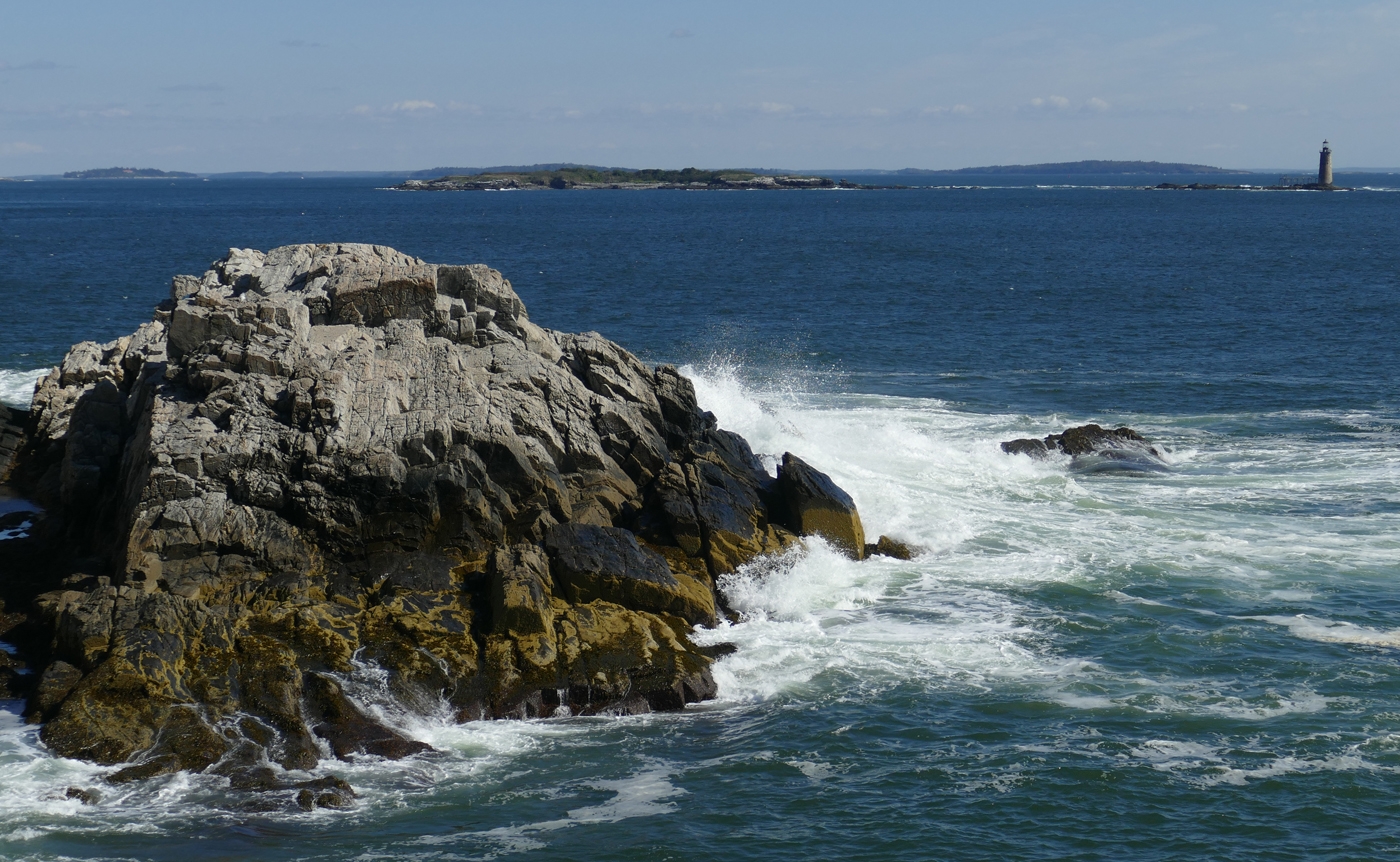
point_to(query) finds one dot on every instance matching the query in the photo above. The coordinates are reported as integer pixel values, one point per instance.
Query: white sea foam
(1207, 764)
(17, 387)
(1332, 631)
(1023, 571)
(993, 526)
(648, 792)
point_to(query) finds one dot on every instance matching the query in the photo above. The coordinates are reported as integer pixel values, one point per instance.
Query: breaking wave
(1153, 625)
(17, 387)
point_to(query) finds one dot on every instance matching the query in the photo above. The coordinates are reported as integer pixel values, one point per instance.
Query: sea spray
(1093, 622)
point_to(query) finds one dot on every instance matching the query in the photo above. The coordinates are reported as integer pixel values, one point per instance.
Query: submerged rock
(335, 474)
(1093, 445)
(328, 792)
(83, 795)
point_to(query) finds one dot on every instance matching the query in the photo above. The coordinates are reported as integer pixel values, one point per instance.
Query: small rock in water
(888, 547)
(810, 503)
(328, 792)
(1122, 445)
(83, 795)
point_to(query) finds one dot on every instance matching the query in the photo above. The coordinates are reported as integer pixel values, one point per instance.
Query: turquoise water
(1199, 663)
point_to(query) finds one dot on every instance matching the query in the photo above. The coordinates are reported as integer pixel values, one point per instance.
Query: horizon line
(387, 172)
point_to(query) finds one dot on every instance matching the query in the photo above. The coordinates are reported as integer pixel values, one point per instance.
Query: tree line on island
(127, 173)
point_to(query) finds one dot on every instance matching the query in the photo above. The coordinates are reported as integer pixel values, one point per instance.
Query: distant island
(434, 173)
(126, 173)
(622, 178)
(1085, 167)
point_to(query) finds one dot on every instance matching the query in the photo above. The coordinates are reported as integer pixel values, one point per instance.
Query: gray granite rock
(332, 457)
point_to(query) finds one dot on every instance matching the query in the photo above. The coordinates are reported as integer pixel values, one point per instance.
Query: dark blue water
(1082, 299)
(1195, 664)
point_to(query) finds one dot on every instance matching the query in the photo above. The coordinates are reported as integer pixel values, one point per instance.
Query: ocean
(1196, 663)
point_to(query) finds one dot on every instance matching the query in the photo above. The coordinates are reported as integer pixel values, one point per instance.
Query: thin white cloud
(1098, 104)
(713, 109)
(31, 65)
(1238, 107)
(940, 110)
(775, 108)
(19, 148)
(681, 33)
(413, 106)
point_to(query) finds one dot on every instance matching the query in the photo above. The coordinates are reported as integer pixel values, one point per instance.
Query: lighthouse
(1324, 166)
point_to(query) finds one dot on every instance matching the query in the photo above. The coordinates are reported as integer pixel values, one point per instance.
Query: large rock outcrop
(337, 463)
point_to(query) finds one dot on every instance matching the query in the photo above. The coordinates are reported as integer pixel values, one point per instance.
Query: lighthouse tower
(1324, 166)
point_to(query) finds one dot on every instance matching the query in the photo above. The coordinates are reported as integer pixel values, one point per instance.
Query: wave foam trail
(646, 793)
(33, 793)
(1007, 544)
(1086, 597)
(919, 472)
(1332, 631)
(17, 387)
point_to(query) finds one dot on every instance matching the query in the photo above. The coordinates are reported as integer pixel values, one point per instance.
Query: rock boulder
(809, 503)
(331, 474)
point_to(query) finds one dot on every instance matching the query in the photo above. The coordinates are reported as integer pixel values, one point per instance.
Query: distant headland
(1093, 166)
(126, 174)
(572, 175)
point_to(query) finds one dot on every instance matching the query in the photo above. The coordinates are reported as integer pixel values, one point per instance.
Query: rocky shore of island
(689, 179)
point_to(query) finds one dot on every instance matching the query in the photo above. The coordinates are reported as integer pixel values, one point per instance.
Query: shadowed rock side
(1092, 446)
(337, 463)
(12, 424)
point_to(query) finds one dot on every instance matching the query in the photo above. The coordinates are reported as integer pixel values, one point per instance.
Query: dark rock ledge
(332, 455)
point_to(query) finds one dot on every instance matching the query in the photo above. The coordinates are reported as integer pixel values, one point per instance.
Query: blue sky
(363, 86)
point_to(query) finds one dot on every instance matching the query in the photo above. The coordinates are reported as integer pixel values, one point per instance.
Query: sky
(305, 86)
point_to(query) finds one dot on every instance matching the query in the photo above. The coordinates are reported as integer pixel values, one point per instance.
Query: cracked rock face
(335, 473)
